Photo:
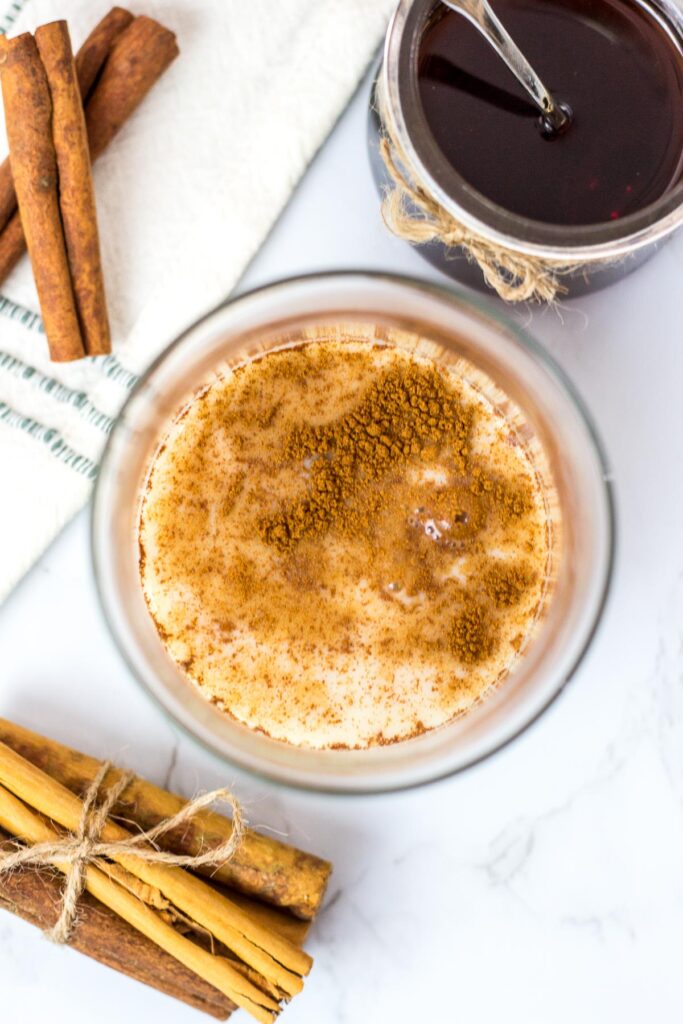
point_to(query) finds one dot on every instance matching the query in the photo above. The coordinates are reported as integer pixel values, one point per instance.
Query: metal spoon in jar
(555, 116)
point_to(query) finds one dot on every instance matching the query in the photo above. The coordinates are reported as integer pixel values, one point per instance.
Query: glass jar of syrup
(600, 196)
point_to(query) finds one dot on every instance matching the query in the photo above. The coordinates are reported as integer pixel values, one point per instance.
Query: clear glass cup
(399, 310)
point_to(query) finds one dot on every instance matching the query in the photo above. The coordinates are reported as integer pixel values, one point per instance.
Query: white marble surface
(545, 885)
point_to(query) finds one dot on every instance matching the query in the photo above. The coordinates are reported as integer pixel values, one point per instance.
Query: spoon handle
(480, 13)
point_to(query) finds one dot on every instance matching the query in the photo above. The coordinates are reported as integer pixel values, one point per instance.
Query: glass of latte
(353, 532)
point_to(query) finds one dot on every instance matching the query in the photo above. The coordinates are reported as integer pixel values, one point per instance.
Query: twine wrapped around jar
(411, 213)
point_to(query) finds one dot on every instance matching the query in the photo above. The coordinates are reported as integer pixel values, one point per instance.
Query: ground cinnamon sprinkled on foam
(408, 414)
(342, 545)
(472, 636)
(506, 584)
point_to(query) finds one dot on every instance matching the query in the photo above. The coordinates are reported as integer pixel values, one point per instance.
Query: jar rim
(428, 167)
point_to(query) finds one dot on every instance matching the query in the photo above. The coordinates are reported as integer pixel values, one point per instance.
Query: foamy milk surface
(328, 565)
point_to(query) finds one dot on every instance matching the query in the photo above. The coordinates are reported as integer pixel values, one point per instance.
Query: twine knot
(72, 853)
(410, 212)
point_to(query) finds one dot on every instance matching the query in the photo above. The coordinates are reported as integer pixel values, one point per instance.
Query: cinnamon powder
(343, 544)
(409, 414)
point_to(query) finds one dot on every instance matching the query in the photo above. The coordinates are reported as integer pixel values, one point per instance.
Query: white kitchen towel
(186, 194)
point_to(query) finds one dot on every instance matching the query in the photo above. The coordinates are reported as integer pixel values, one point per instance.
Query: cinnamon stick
(280, 921)
(28, 115)
(255, 960)
(12, 243)
(142, 55)
(262, 866)
(89, 60)
(95, 50)
(281, 962)
(76, 193)
(8, 197)
(35, 894)
(23, 822)
(138, 57)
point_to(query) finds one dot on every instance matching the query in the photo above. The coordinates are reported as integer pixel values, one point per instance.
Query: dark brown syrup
(619, 69)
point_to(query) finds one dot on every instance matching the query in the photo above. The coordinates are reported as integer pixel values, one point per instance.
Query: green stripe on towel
(26, 317)
(56, 390)
(50, 437)
(11, 15)
(112, 368)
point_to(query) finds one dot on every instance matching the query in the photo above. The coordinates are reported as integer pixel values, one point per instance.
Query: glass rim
(486, 310)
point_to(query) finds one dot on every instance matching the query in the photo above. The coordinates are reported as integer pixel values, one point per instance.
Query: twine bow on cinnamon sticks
(85, 846)
(247, 961)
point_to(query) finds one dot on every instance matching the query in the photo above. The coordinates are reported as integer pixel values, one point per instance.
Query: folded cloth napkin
(186, 194)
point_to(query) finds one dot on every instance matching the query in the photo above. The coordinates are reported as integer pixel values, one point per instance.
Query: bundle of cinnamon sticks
(60, 114)
(232, 941)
